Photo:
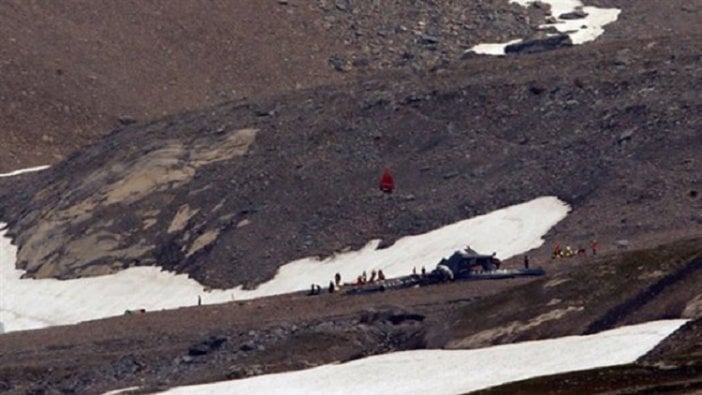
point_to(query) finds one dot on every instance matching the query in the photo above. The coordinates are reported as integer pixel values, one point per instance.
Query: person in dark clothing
(337, 279)
(381, 275)
(331, 287)
(315, 289)
(526, 261)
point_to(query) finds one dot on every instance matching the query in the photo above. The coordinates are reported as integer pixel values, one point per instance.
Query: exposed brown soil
(71, 70)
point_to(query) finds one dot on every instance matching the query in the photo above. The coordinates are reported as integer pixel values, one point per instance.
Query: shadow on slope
(602, 293)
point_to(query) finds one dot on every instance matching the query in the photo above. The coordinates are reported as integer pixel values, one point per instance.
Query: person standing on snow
(381, 275)
(337, 279)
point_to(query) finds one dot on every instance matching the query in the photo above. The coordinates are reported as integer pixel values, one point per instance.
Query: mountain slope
(70, 71)
(618, 142)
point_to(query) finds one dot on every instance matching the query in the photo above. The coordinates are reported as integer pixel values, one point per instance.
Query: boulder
(126, 120)
(394, 315)
(210, 344)
(578, 13)
(248, 346)
(540, 44)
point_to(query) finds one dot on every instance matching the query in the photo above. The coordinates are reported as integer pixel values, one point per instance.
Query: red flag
(387, 184)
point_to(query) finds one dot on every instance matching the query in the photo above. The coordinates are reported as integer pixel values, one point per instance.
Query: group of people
(362, 279)
(374, 276)
(569, 252)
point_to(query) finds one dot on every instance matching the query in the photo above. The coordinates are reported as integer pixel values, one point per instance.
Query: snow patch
(454, 371)
(22, 171)
(580, 30)
(36, 303)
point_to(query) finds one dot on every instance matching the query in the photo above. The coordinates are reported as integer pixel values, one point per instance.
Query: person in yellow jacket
(569, 252)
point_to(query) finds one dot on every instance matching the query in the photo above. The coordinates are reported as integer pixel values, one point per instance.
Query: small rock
(450, 175)
(688, 8)
(343, 5)
(264, 113)
(198, 349)
(186, 359)
(577, 14)
(535, 45)
(126, 365)
(210, 344)
(623, 57)
(537, 89)
(248, 346)
(623, 243)
(338, 64)
(126, 120)
(428, 40)
(625, 136)
(470, 54)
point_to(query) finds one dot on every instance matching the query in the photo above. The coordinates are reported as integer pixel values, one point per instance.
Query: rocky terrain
(240, 339)
(81, 69)
(204, 192)
(260, 140)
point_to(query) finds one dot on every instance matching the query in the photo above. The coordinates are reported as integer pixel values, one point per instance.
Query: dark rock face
(392, 315)
(212, 343)
(577, 14)
(127, 365)
(536, 45)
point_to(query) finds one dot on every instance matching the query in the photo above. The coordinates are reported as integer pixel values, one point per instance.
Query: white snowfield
(454, 371)
(30, 303)
(580, 30)
(23, 171)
